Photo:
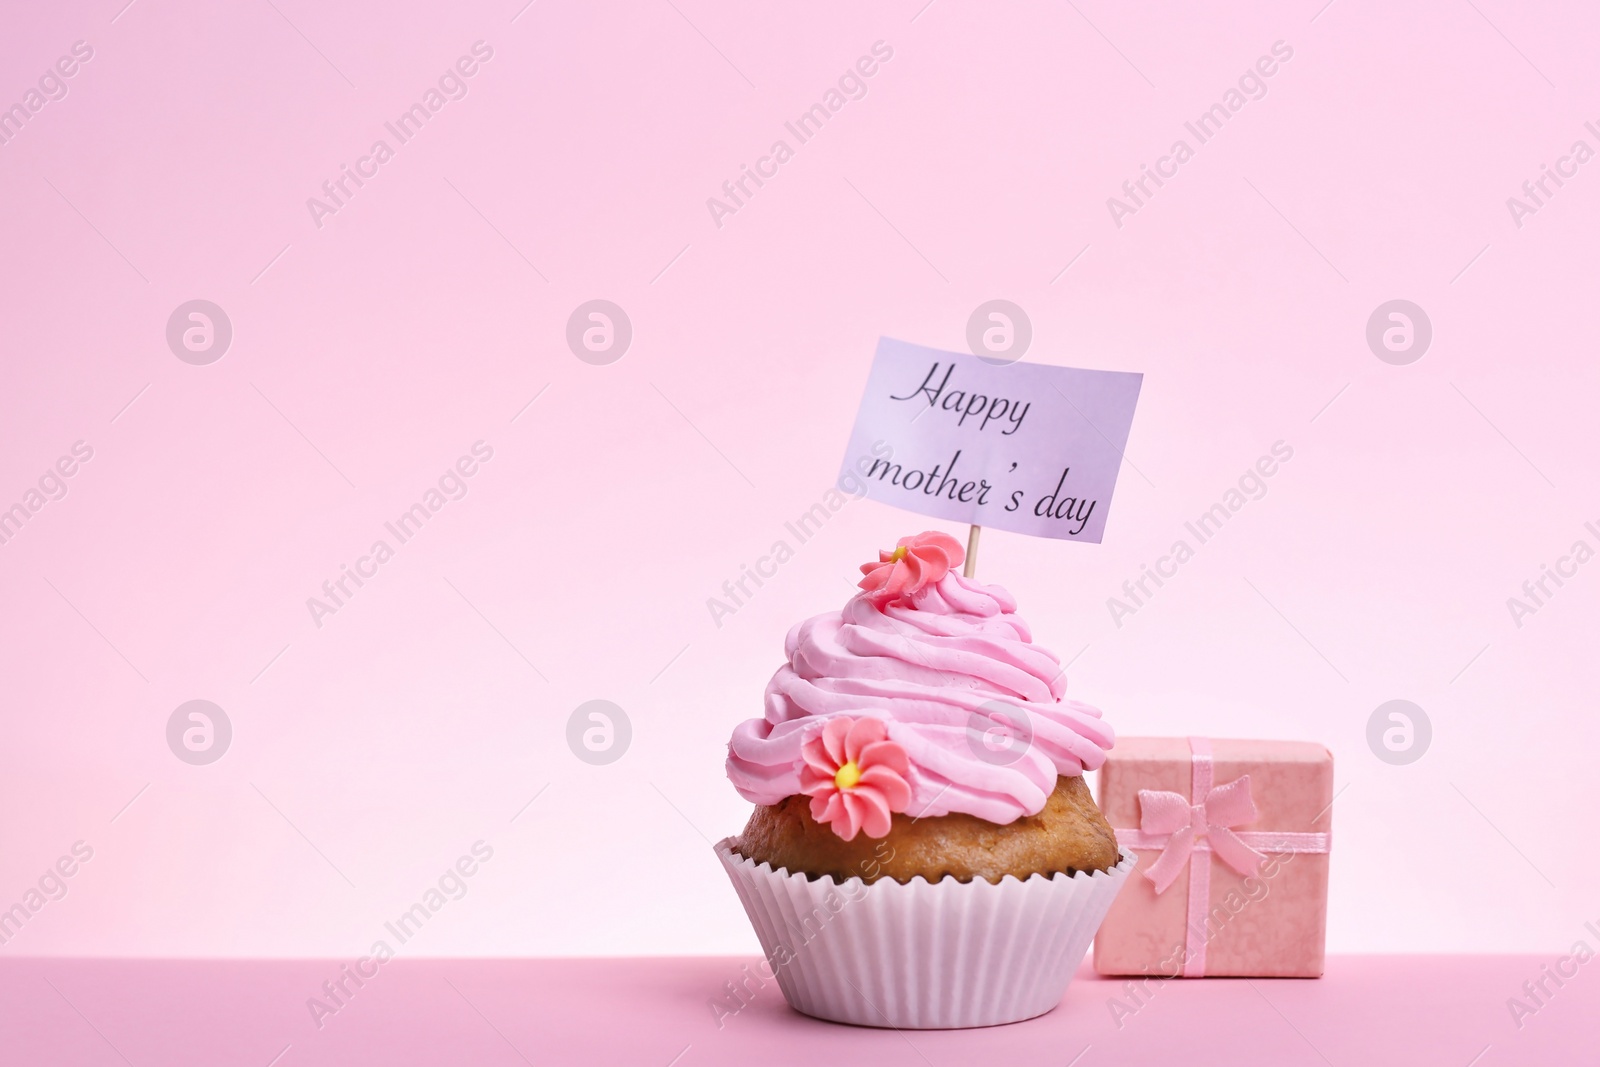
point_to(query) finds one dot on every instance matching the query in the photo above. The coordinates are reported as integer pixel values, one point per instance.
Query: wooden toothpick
(972, 552)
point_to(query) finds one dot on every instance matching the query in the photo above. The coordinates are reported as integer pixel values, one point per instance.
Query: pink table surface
(1368, 1010)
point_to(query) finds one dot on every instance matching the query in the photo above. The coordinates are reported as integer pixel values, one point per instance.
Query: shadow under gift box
(1268, 920)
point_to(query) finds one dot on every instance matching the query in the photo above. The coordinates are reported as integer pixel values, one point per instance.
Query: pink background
(369, 753)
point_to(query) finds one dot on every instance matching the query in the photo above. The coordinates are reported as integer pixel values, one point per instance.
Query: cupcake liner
(918, 955)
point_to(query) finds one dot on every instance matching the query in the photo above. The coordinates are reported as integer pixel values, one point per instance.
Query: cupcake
(924, 852)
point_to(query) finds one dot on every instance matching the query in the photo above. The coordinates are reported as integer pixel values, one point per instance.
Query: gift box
(1232, 838)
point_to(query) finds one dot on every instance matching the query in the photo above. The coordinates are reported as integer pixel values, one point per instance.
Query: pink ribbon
(1178, 829)
(1223, 808)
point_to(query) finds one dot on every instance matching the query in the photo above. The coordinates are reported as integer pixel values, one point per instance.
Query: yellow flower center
(848, 776)
(899, 554)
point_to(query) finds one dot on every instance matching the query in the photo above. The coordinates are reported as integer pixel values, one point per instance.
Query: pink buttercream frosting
(946, 669)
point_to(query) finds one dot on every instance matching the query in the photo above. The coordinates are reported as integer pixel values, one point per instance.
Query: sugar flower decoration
(915, 563)
(855, 776)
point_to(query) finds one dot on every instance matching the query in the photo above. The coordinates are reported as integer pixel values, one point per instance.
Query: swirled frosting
(954, 674)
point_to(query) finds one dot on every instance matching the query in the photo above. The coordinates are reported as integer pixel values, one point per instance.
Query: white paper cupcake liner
(921, 956)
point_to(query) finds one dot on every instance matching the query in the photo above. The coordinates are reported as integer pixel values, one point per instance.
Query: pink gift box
(1235, 834)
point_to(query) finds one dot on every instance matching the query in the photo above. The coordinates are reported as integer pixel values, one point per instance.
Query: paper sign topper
(1020, 446)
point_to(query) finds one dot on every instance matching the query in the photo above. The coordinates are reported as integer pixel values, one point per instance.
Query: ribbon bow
(1170, 814)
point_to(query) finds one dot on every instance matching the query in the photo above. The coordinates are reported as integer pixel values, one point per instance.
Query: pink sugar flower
(855, 776)
(915, 563)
